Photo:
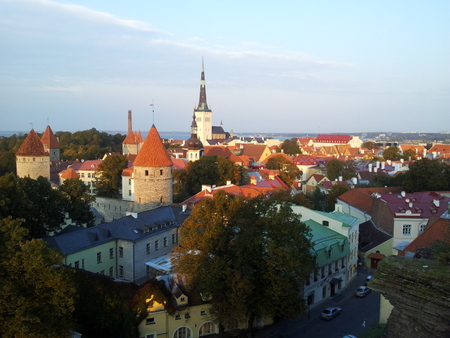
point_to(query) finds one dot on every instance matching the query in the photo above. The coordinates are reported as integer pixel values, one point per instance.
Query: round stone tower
(152, 174)
(31, 158)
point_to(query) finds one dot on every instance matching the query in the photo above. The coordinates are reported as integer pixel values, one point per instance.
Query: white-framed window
(174, 239)
(165, 241)
(183, 332)
(177, 317)
(99, 257)
(120, 271)
(422, 228)
(120, 251)
(111, 253)
(207, 329)
(148, 248)
(203, 313)
(406, 231)
(150, 321)
(156, 245)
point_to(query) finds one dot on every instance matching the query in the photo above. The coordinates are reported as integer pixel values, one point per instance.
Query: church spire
(202, 104)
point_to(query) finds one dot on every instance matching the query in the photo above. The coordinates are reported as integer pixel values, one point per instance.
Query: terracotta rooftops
(153, 153)
(32, 146)
(333, 138)
(49, 139)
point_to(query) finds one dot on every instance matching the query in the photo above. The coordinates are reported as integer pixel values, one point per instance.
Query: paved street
(355, 312)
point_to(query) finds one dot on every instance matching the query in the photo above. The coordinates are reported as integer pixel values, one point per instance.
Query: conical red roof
(49, 139)
(69, 173)
(153, 153)
(131, 138)
(32, 146)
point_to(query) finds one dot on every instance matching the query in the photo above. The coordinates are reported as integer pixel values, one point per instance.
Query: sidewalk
(281, 329)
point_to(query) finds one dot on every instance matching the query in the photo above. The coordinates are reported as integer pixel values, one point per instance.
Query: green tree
(7, 162)
(317, 199)
(37, 294)
(77, 200)
(108, 180)
(253, 257)
(392, 153)
(334, 192)
(289, 172)
(370, 145)
(426, 174)
(409, 154)
(337, 168)
(441, 248)
(290, 147)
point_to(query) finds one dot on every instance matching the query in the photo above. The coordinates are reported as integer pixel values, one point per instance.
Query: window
(129, 192)
(129, 181)
(120, 271)
(89, 175)
(146, 173)
(182, 299)
(151, 335)
(406, 230)
(82, 175)
(187, 315)
(160, 172)
(147, 269)
(99, 257)
(120, 251)
(150, 321)
(111, 272)
(207, 328)
(148, 248)
(177, 317)
(173, 239)
(111, 253)
(203, 313)
(77, 264)
(156, 245)
(165, 241)
(422, 228)
(183, 332)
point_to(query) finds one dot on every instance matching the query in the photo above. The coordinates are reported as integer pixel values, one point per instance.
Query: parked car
(362, 291)
(330, 312)
(349, 336)
(368, 279)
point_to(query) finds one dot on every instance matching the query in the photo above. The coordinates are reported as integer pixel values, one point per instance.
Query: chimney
(370, 167)
(403, 193)
(184, 208)
(436, 203)
(340, 178)
(382, 165)
(206, 187)
(228, 183)
(130, 126)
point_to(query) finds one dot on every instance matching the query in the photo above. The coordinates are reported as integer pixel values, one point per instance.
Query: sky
(270, 66)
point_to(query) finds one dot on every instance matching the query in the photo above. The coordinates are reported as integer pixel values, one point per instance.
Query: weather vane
(153, 111)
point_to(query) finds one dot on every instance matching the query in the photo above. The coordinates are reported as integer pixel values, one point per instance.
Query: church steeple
(202, 104)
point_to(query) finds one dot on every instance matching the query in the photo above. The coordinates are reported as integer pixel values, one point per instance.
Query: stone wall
(33, 166)
(418, 290)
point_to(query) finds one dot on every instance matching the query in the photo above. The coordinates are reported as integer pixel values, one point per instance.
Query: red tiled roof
(361, 198)
(435, 230)
(277, 154)
(32, 146)
(440, 148)
(153, 153)
(327, 138)
(128, 171)
(49, 139)
(69, 173)
(86, 165)
(179, 163)
(132, 138)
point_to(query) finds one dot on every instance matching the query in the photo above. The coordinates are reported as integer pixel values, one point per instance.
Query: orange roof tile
(32, 146)
(361, 198)
(131, 138)
(69, 173)
(153, 153)
(49, 139)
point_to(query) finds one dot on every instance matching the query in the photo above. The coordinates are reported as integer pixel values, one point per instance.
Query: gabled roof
(440, 148)
(179, 163)
(361, 198)
(287, 157)
(318, 178)
(254, 151)
(49, 139)
(69, 173)
(153, 153)
(223, 151)
(32, 146)
(132, 138)
(89, 165)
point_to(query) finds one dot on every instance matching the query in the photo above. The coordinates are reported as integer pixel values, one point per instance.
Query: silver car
(362, 291)
(330, 312)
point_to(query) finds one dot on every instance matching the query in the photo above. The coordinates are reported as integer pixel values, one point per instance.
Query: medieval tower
(195, 148)
(31, 158)
(152, 173)
(133, 141)
(203, 115)
(51, 144)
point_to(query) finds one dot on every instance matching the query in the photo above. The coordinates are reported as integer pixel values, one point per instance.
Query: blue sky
(285, 66)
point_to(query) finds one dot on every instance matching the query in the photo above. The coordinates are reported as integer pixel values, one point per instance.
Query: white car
(330, 312)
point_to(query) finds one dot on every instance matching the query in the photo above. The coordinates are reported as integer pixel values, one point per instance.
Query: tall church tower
(51, 144)
(31, 158)
(203, 115)
(152, 174)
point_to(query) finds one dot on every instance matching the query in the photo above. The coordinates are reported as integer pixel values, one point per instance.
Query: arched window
(207, 328)
(183, 332)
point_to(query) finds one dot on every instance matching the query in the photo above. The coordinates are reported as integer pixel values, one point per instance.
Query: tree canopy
(290, 147)
(209, 170)
(289, 172)
(392, 153)
(108, 177)
(337, 168)
(426, 175)
(253, 257)
(37, 294)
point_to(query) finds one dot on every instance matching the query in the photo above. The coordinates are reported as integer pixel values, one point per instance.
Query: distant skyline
(270, 67)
